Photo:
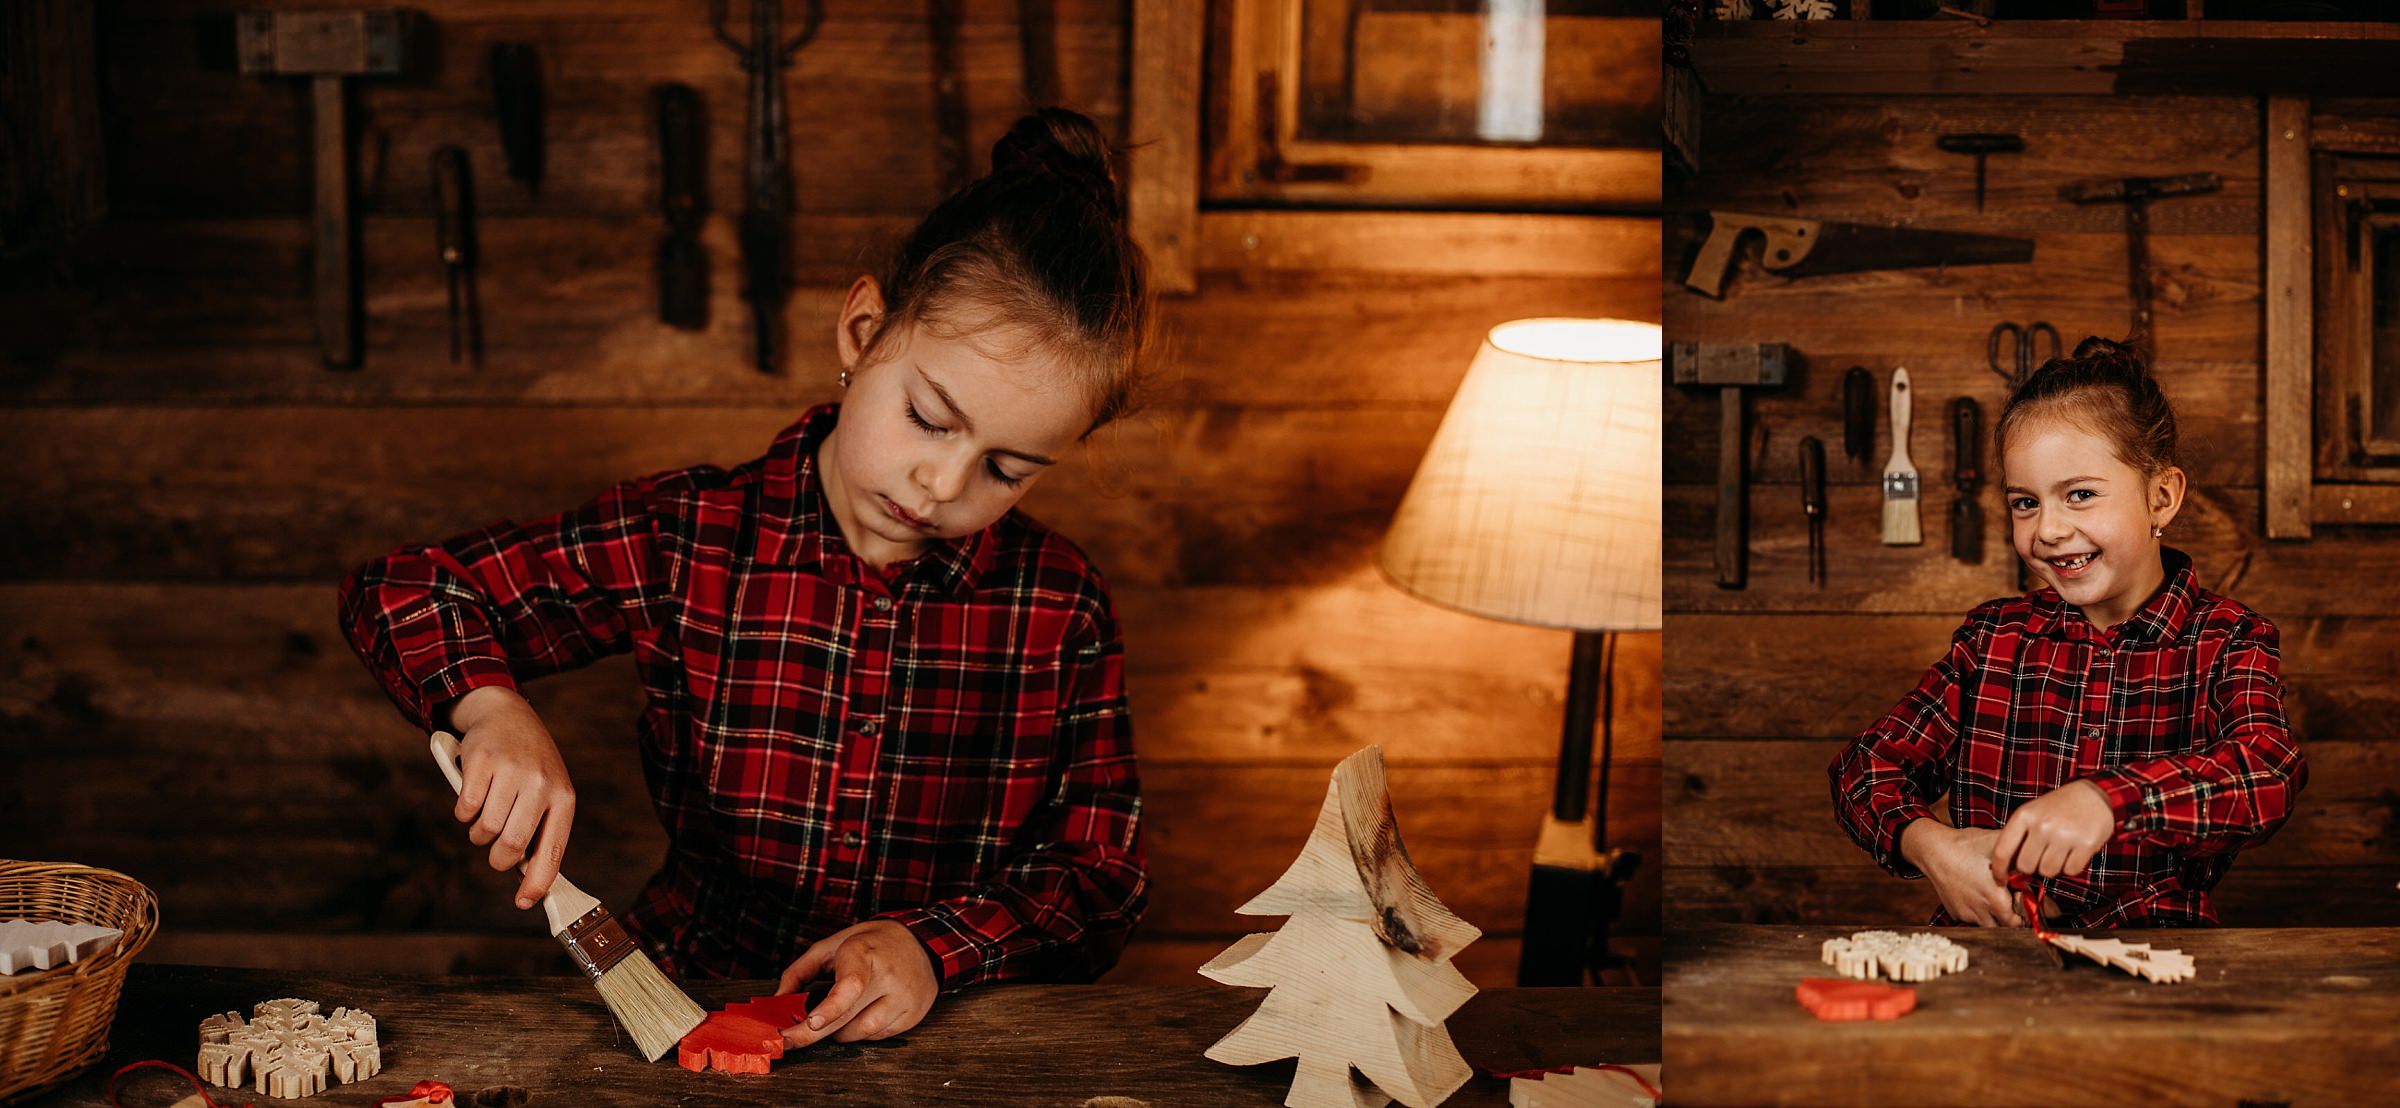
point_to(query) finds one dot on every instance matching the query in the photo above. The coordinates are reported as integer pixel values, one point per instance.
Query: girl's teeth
(2075, 562)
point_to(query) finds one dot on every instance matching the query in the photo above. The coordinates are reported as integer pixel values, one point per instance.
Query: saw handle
(1787, 241)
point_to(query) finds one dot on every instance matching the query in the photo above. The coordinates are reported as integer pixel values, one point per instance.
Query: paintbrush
(1900, 526)
(650, 1007)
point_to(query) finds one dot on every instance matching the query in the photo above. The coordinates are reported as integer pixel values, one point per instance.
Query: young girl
(886, 724)
(2119, 733)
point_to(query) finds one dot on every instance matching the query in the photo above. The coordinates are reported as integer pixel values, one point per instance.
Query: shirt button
(850, 838)
(883, 603)
(2091, 732)
(868, 728)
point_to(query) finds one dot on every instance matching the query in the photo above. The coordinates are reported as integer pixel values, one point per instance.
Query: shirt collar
(798, 528)
(2159, 619)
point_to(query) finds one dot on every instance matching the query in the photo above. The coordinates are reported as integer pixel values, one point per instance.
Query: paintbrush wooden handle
(564, 903)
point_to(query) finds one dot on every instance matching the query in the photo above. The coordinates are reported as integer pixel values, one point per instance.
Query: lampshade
(1538, 501)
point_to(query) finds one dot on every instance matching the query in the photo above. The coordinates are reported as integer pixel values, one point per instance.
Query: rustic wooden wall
(185, 485)
(1767, 683)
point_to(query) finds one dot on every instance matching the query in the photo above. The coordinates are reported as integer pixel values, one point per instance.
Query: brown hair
(2106, 388)
(1038, 245)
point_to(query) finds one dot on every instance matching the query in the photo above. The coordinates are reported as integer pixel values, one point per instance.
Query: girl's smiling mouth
(2073, 563)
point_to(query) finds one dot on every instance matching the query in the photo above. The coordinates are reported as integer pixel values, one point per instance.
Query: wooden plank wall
(1767, 683)
(185, 486)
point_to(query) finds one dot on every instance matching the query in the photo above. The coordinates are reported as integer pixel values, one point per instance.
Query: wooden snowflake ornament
(1360, 974)
(1867, 955)
(290, 1049)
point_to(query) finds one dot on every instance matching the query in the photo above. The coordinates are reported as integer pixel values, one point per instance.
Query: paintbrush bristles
(1900, 524)
(648, 1006)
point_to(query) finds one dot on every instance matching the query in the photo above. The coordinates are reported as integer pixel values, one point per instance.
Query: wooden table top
(2274, 1016)
(1006, 1044)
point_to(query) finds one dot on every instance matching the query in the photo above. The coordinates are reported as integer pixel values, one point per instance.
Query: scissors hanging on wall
(2022, 342)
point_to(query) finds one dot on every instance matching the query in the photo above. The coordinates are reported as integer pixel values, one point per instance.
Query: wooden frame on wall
(2345, 475)
(1257, 154)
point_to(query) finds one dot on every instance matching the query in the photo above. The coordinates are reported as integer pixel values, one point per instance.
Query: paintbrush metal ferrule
(597, 942)
(1899, 486)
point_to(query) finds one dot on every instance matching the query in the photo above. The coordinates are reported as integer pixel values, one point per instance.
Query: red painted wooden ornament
(774, 1011)
(731, 1043)
(1839, 998)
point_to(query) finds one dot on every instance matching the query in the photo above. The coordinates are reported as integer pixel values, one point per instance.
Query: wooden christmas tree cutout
(2159, 967)
(44, 944)
(1588, 1087)
(1360, 973)
(291, 1050)
(1866, 955)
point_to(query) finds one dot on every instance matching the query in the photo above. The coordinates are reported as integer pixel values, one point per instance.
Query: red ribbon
(2030, 891)
(184, 1073)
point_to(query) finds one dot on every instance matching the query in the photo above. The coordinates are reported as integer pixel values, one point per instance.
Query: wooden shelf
(2073, 57)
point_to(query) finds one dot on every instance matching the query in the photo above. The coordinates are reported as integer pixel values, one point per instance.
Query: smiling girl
(886, 725)
(2118, 733)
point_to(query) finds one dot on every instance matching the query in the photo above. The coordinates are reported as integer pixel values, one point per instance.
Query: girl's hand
(513, 785)
(883, 983)
(1958, 862)
(2055, 833)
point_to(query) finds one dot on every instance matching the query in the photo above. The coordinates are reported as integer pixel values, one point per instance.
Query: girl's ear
(862, 309)
(2166, 496)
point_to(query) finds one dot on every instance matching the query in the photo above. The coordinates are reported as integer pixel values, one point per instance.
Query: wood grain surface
(2286, 1016)
(1009, 1044)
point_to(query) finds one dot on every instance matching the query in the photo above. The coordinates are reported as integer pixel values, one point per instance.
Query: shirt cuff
(1895, 823)
(456, 680)
(948, 938)
(2133, 800)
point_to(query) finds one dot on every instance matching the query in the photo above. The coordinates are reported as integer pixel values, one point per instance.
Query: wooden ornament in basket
(54, 1022)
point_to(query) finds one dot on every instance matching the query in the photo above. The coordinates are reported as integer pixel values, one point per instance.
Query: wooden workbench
(2284, 1016)
(1021, 1044)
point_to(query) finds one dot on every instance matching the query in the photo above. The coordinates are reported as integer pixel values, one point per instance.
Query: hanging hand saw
(1813, 247)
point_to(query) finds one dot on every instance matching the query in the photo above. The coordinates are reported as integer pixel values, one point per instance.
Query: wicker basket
(54, 1022)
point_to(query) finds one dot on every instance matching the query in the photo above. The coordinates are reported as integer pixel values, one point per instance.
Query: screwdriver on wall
(1812, 501)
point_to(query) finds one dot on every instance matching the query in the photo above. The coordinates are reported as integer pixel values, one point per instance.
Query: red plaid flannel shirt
(944, 744)
(2176, 714)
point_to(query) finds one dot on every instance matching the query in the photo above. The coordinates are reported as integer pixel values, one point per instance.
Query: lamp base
(1572, 899)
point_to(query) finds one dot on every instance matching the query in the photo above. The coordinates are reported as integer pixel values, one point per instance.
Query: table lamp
(1539, 503)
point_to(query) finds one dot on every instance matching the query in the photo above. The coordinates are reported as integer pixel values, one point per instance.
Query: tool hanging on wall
(1901, 525)
(1811, 248)
(1037, 44)
(2136, 193)
(1730, 369)
(327, 47)
(517, 96)
(1966, 474)
(767, 201)
(682, 198)
(454, 229)
(1981, 144)
(951, 125)
(2022, 344)
(1812, 503)
(1858, 414)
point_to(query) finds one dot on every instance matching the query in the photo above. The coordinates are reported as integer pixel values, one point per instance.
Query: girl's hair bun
(1062, 144)
(2109, 358)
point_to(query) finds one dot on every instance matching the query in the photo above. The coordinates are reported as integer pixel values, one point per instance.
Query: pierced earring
(2158, 532)
(844, 377)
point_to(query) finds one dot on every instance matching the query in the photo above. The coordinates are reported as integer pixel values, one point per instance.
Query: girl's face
(938, 438)
(2083, 519)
